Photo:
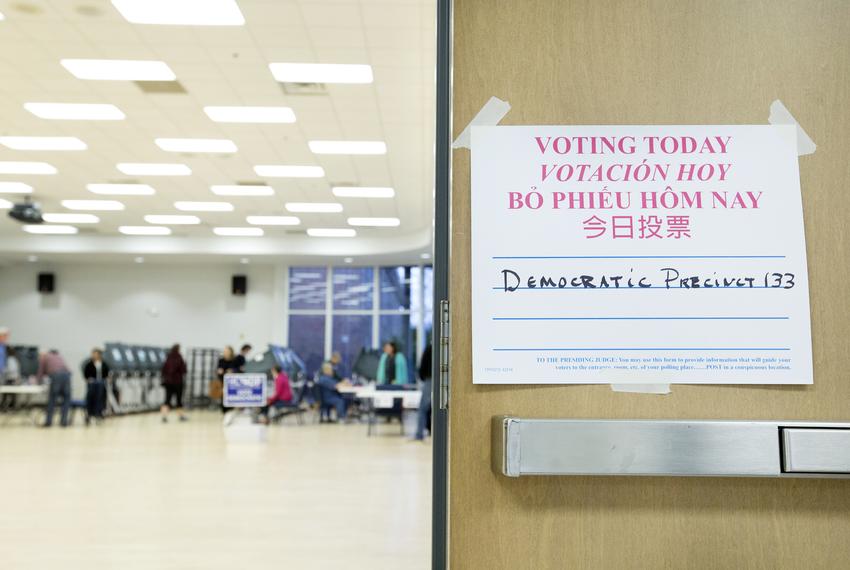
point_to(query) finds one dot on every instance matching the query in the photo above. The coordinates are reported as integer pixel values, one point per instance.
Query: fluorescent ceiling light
(144, 230)
(76, 111)
(321, 72)
(289, 171)
(331, 232)
(95, 205)
(54, 230)
(5, 204)
(425, 256)
(241, 190)
(119, 69)
(43, 143)
(204, 206)
(250, 114)
(121, 189)
(362, 192)
(348, 147)
(273, 220)
(172, 219)
(181, 12)
(197, 145)
(374, 222)
(314, 207)
(70, 218)
(238, 232)
(153, 169)
(15, 188)
(8, 167)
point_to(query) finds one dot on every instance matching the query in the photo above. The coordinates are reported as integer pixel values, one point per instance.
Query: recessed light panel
(50, 230)
(144, 230)
(15, 188)
(241, 190)
(321, 73)
(70, 218)
(172, 220)
(75, 111)
(261, 115)
(93, 205)
(204, 206)
(289, 171)
(374, 222)
(223, 146)
(119, 69)
(181, 12)
(121, 189)
(331, 232)
(362, 192)
(314, 207)
(238, 232)
(273, 220)
(9, 167)
(153, 169)
(348, 147)
(43, 143)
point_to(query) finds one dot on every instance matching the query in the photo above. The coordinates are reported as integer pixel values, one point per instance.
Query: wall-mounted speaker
(239, 285)
(46, 282)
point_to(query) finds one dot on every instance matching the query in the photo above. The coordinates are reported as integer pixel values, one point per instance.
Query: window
(307, 339)
(367, 306)
(351, 334)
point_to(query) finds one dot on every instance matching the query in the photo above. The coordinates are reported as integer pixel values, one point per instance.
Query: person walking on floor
(173, 375)
(424, 411)
(96, 372)
(52, 365)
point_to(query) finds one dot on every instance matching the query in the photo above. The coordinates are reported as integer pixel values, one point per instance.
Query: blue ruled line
(635, 288)
(741, 318)
(633, 349)
(638, 257)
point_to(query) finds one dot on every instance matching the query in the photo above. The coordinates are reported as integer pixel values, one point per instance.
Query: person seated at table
(330, 396)
(282, 396)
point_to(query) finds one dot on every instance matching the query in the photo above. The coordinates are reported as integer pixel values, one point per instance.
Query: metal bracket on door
(444, 356)
(698, 448)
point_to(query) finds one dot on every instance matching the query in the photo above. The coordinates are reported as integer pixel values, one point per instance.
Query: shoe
(164, 420)
(184, 419)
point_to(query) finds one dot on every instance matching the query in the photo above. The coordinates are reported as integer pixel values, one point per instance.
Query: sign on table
(244, 390)
(616, 254)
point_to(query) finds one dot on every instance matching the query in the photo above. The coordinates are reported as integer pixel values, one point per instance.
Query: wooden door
(596, 62)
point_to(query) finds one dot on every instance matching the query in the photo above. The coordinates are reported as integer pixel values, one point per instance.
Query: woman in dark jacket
(173, 373)
(96, 374)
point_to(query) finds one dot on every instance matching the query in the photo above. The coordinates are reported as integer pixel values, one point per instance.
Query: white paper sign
(638, 254)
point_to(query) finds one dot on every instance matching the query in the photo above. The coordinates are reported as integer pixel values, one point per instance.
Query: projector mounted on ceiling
(27, 213)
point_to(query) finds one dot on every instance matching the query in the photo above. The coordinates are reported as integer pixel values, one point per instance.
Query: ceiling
(227, 66)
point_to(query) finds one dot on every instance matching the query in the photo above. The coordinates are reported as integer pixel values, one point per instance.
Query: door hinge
(445, 365)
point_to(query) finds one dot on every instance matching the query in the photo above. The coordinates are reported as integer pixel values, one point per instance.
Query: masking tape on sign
(490, 114)
(780, 115)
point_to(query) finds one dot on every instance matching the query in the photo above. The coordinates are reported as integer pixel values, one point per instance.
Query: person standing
(96, 372)
(424, 411)
(173, 375)
(242, 358)
(52, 365)
(11, 377)
(392, 368)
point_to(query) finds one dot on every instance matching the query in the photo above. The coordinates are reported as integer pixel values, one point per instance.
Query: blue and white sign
(244, 390)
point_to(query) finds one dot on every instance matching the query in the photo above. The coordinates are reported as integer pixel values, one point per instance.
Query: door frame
(442, 242)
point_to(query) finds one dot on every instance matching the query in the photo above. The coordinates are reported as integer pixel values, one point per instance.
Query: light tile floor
(134, 493)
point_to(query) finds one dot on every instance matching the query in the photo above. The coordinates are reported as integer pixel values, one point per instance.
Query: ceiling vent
(304, 88)
(156, 87)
